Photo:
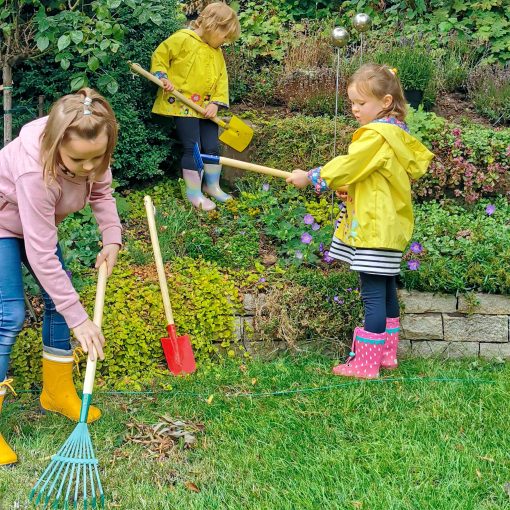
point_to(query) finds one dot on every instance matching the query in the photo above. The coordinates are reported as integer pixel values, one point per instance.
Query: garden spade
(237, 134)
(177, 349)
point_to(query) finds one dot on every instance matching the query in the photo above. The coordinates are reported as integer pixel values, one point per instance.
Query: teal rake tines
(73, 472)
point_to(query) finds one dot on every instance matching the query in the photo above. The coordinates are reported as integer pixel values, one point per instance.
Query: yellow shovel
(236, 133)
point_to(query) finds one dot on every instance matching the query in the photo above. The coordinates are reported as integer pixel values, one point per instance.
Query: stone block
(495, 350)
(238, 328)
(475, 328)
(249, 304)
(422, 326)
(425, 302)
(441, 349)
(404, 348)
(489, 304)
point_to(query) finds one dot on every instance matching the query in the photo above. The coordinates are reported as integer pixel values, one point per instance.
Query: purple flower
(262, 280)
(336, 299)
(306, 238)
(299, 254)
(326, 257)
(349, 289)
(308, 219)
(321, 247)
(316, 226)
(265, 186)
(413, 265)
(416, 247)
(69, 274)
(490, 209)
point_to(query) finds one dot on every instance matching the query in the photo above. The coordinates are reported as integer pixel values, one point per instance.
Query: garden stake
(177, 349)
(237, 134)
(75, 465)
(200, 159)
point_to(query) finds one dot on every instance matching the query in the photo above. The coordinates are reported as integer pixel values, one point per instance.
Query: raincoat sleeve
(220, 93)
(365, 155)
(165, 53)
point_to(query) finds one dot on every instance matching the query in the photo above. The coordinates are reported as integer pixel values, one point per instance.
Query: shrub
(204, 299)
(489, 89)
(311, 306)
(464, 249)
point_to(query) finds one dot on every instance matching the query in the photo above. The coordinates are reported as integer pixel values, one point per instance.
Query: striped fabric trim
(393, 330)
(58, 359)
(368, 341)
(367, 260)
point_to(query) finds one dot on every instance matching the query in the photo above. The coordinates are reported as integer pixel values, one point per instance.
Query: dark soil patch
(455, 107)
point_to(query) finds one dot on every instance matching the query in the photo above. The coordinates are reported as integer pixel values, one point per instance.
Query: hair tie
(86, 103)
(393, 71)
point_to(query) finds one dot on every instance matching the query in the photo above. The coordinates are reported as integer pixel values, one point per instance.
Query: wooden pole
(40, 106)
(7, 84)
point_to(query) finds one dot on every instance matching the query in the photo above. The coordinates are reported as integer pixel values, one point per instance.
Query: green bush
(145, 149)
(464, 249)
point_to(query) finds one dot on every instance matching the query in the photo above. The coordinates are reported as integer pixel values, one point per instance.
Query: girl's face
(82, 156)
(366, 108)
(215, 38)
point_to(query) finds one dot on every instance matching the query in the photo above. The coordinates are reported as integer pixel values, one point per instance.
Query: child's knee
(12, 317)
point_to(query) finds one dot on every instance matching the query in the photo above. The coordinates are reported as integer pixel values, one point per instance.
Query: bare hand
(108, 253)
(341, 193)
(91, 339)
(167, 85)
(211, 111)
(299, 178)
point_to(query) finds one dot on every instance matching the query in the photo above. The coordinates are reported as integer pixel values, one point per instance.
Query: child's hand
(108, 253)
(341, 193)
(167, 85)
(211, 110)
(299, 178)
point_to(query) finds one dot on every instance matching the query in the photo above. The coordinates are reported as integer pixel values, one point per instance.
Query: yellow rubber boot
(7, 454)
(59, 394)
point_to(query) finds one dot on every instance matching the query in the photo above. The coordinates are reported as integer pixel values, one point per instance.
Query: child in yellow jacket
(192, 62)
(377, 222)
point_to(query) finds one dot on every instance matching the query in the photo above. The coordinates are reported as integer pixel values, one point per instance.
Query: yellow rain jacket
(194, 68)
(380, 162)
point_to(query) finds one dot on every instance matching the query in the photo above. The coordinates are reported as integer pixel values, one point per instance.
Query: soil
(455, 107)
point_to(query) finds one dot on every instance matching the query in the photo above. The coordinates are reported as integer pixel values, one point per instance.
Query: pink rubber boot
(389, 359)
(365, 356)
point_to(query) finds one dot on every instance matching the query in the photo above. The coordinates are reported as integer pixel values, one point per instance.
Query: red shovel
(177, 349)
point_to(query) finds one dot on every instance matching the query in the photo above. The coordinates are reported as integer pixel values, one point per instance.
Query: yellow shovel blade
(237, 134)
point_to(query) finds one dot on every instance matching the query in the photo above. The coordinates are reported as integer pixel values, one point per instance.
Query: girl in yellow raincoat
(192, 62)
(377, 222)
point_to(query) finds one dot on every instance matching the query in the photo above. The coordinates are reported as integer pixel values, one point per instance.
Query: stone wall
(432, 325)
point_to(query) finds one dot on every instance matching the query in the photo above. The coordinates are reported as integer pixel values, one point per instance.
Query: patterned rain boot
(59, 394)
(194, 194)
(212, 183)
(389, 359)
(7, 455)
(365, 357)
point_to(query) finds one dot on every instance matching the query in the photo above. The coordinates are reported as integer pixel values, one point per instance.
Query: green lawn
(324, 443)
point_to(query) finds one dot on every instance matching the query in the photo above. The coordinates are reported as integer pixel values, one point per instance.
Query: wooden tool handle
(90, 373)
(149, 208)
(181, 97)
(243, 165)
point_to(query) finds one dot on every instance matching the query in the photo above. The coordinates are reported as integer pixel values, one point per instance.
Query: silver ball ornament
(339, 37)
(361, 22)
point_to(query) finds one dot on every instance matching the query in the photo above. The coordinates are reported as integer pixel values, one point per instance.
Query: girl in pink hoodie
(56, 166)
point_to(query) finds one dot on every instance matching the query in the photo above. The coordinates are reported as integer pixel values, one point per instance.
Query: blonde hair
(85, 114)
(377, 81)
(219, 16)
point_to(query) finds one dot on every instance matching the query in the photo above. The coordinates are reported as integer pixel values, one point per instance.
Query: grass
(325, 443)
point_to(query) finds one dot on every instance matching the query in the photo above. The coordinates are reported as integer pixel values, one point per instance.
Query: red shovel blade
(178, 352)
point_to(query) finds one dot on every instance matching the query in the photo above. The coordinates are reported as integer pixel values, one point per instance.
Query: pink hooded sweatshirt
(31, 209)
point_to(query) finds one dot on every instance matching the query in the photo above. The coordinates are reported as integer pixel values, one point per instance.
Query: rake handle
(181, 97)
(244, 165)
(149, 208)
(90, 373)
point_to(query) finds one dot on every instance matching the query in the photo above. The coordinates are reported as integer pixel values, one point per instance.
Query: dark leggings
(379, 294)
(190, 131)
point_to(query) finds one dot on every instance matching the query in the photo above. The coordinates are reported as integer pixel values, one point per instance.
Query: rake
(73, 471)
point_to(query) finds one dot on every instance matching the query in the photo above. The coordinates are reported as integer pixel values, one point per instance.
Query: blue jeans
(55, 331)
